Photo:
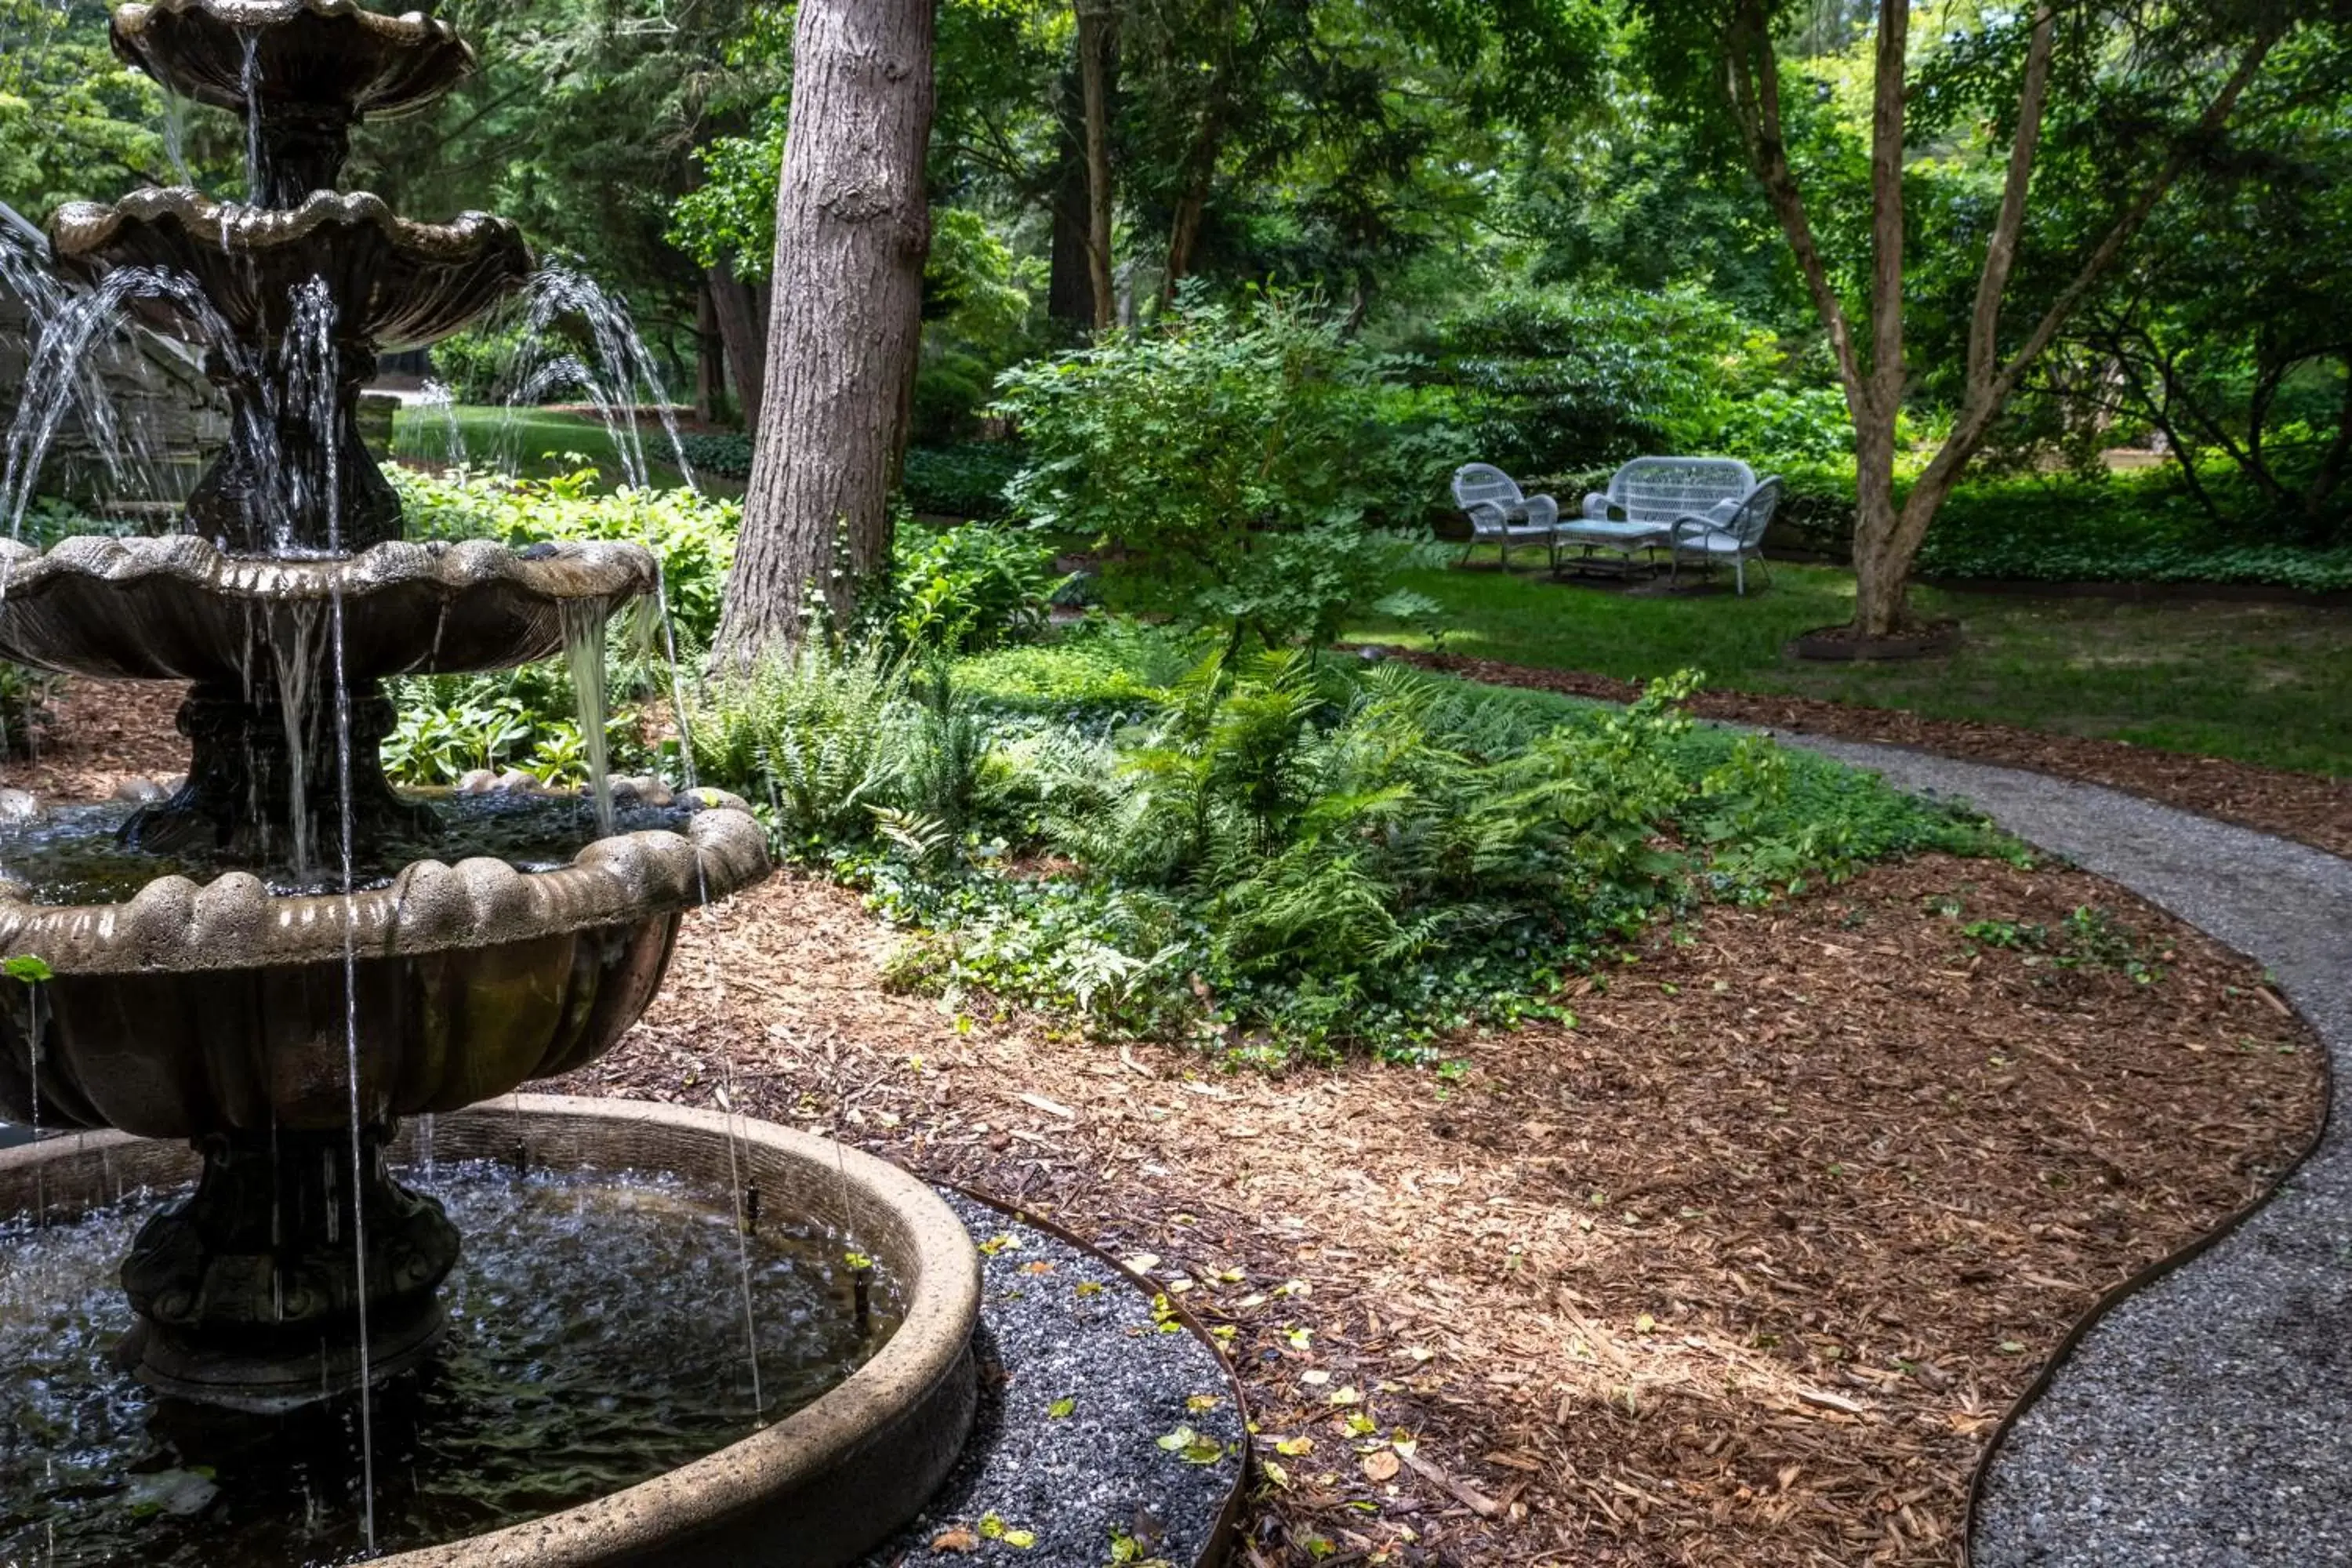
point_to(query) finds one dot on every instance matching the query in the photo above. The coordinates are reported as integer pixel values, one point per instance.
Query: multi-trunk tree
(2152, 85)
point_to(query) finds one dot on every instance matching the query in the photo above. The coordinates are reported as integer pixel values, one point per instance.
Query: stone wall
(159, 392)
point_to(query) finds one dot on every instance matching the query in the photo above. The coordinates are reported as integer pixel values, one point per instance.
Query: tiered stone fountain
(282, 1022)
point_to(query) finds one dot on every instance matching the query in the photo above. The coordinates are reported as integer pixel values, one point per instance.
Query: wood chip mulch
(99, 734)
(1742, 1268)
(2310, 807)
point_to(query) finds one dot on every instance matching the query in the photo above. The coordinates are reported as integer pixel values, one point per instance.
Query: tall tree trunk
(710, 356)
(1094, 78)
(743, 318)
(1069, 283)
(853, 228)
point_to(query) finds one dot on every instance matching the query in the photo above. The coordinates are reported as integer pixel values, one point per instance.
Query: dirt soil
(1741, 1268)
(2309, 807)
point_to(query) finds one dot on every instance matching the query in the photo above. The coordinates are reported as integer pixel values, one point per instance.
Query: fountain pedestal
(250, 1292)
(245, 793)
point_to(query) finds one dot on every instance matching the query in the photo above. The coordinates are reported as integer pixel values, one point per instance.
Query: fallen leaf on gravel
(957, 1539)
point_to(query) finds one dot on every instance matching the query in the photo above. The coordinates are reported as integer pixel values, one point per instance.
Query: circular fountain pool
(595, 1395)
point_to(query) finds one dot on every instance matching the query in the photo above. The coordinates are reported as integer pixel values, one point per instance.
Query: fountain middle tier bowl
(324, 58)
(189, 1011)
(395, 284)
(177, 607)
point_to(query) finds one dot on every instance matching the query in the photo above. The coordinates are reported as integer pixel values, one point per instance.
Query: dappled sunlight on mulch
(2309, 807)
(101, 732)
(1741, 1269)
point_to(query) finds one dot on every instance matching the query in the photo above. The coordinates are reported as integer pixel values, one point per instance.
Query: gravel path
(2208, 1420)
(1079, 1385)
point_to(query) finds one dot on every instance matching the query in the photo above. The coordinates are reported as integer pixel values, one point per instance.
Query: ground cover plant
(1267, 852)
(2266, 684)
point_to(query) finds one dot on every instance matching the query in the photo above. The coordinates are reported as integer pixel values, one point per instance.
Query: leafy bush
(477, 365)
(722, 453)
(1774, 428)
(959, 589)
(1578, 377)
(1217, 461)
(450, 725)
(692, 536)
(1267, 854)
(969, 481)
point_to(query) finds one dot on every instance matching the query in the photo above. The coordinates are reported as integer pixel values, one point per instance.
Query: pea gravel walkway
(2206, 1421)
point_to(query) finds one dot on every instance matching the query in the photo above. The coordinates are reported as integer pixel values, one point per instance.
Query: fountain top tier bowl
(177, 607)
(308, 57)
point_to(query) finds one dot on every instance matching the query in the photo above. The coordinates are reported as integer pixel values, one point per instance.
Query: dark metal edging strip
(2116, 1294)
(1221, 1535)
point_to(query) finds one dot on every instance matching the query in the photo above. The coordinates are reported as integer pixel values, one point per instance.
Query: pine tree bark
(1094, 78)
(710, 357)
(742, 316)
(853, 228)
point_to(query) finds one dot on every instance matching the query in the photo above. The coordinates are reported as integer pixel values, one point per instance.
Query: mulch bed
(2309, 807)
(1741, 1268)
(98, 732)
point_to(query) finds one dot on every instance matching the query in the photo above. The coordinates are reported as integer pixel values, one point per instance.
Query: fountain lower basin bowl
(190, 1011)
(177, 607)
(812, 1492)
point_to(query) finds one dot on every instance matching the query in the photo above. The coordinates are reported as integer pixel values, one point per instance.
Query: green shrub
(450, 725)
(477, 365)
(1585, 376)
(969, 481)
(959, 589)
(692, 536)
(726, 453)
(1217, 461)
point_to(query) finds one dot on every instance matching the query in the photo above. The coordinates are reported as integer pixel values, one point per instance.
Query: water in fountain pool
(69, 854)
(595, 1341)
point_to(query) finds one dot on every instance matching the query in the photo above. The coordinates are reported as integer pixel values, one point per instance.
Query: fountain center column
(249, 1291)
(296, 477)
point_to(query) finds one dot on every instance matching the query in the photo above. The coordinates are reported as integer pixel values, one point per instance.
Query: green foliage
(2114, 529)
(76, 123)
(526, 718)
(727, 454)
(1577, 377)
(1268, 855)
(968, 480)
(959, 589)
(476, 364)
(692, 537)
(976, 321)
(1217, 459)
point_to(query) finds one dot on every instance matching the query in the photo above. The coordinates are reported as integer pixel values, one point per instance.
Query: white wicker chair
(1659, 490)
(1729, 531)
(1501, 515)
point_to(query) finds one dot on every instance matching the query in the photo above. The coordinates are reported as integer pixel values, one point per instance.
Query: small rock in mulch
(1097, 1423)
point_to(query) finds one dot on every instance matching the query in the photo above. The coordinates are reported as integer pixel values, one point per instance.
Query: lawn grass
(2267, 684)
(540, 442)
